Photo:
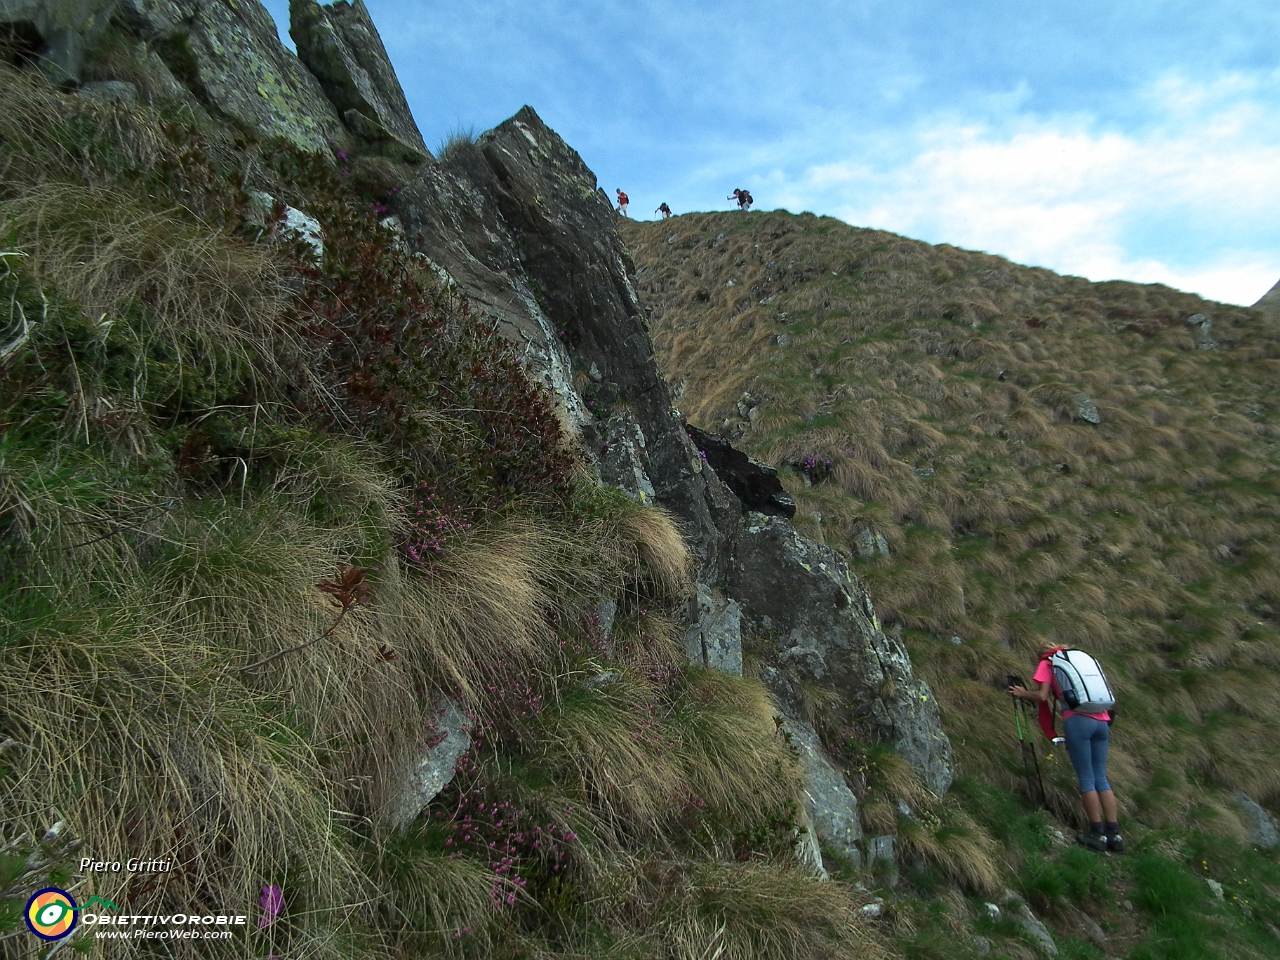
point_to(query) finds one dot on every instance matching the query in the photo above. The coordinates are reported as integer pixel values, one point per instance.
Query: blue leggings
(1087, 743)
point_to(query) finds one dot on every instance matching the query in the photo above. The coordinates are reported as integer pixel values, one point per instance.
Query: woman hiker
(1088, 736)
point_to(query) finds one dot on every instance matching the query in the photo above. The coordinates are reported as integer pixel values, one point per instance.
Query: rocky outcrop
(882, 859)
(715, 639)
(56, 33)
(870, 543)
(1034, 928)
(830, 805)
(433, 769)
(1262, 829)
(110, 91)
(517, 221)
(756, 484)
(1203, 327)
(342, 48)
(818, 626)
(230, 57)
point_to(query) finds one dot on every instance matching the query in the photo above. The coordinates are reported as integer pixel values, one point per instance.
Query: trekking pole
(1035, 759)
(1026, 747)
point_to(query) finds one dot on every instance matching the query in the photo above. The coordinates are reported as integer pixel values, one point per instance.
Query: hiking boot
(1115, 843)
(1094, 841)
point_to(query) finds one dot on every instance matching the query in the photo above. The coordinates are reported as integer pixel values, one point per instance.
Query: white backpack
(1082, 683)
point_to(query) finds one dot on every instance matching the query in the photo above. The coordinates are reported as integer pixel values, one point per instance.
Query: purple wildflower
(272, 902)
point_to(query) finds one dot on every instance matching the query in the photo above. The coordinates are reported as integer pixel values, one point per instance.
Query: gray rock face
(230, 57)
(110, 91)
(622, 461)
(293, 222)
(1036, 930)
(809, 854)
(715, 639)
(1090, 927)
(58, 32)
(342, 48)
(1204, 331)
(306, 227)
(756, 484)
(818, 625)
(433, 770)
(870, 543)
(517, 221)
(605, 614)
(1262, 829)
(830, 804)
(1086, 409)
(883, 850)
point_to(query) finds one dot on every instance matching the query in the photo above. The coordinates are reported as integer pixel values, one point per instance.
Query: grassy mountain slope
(933, 396)
(259, 513)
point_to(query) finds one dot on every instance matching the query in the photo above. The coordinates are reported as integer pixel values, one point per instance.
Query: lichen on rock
(341, 46)
(230, 57)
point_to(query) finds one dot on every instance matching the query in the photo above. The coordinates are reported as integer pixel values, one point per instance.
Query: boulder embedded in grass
(434, 769)
(1262, 829)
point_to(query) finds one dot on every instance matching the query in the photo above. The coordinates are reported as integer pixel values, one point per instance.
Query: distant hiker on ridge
(743, 198)
(1076, 680)
(663, 209)
(623, 200)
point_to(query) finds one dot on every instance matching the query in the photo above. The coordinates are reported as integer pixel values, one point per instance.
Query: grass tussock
(752, 911)
(104, 251)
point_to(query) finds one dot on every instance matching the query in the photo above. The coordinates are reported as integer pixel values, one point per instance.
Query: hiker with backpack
(1076, 681)
(663, 209)
(743, 198)
(623, 200)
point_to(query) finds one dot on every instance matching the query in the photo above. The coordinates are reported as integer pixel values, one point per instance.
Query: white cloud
(1190, 197)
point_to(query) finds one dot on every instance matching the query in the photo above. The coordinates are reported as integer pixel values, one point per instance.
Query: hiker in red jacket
(1088, 738)
(623, 200)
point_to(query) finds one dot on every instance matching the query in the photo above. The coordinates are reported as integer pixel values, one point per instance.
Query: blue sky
(1118, 139)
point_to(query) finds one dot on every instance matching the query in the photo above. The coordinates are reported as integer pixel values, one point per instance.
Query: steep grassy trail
(936, 408)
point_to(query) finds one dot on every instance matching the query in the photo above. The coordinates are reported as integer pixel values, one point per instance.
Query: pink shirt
(1044, 674)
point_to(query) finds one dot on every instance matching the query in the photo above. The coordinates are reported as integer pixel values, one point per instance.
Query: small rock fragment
(1086, 409)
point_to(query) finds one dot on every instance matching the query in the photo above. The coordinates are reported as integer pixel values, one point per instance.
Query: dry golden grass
(644, 762)
(139, 731)
(108, 253)
(756, 911)
(132, 737)
(47, 133)
(942, 385)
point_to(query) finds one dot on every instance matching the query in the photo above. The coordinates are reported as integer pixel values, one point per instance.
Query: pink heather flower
(272, 903)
